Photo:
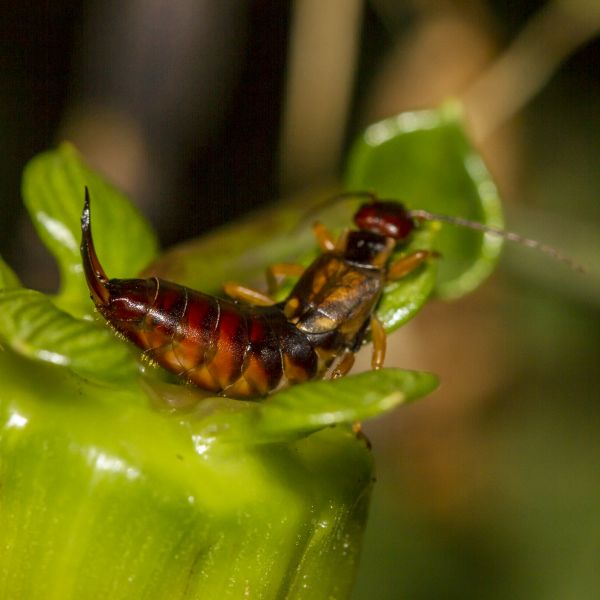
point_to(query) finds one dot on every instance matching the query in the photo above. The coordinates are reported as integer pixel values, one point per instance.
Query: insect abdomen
(216, 344)
(221, 346)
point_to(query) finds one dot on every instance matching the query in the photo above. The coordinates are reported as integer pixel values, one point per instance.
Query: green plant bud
(117, 482)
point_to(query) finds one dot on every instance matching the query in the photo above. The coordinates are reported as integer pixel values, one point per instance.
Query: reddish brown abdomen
(219, 345)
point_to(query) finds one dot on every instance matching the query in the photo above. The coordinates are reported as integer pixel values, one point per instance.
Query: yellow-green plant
(104, 493)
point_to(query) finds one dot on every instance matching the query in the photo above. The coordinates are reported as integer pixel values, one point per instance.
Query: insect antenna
(331, 201)
(423, 215)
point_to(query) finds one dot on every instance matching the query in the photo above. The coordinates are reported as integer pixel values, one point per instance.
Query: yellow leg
(343, 366)
(290, 307)
(246, 294)
(279, 270)
(340, 245)
(407, 264)
(324, 237)
(379, 339)
(357, 429)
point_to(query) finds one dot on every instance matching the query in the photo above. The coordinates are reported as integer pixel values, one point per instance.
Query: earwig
(419, 214)
(221, 346)
(250, 346)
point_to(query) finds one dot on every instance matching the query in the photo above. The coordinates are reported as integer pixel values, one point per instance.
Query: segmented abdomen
(219, 345)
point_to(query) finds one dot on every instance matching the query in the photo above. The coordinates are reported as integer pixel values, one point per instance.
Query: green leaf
(53, 188)
(424, 160)
(227, 499)
(103, 497)
(241, 251)
(403, 298)
(303, 409)
(8, 278)
(35, 328)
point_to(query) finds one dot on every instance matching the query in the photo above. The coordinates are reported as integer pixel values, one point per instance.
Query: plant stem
(549, 38)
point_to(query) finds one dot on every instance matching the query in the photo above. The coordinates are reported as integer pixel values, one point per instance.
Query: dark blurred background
(202, 110)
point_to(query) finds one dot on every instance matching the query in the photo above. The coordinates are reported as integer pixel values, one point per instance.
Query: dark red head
(387, 218)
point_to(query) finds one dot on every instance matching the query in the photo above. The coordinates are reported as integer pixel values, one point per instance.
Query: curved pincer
(95, 276)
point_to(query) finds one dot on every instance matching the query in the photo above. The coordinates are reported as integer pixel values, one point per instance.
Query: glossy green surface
(32, 325)
(104, 498)
(424, 160)
(8, 278)
(53, 189)
(117, 484)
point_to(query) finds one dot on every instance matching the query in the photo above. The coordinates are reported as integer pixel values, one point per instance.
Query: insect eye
(385, 218)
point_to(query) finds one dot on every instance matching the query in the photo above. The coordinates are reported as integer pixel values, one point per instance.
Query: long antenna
(423, 215)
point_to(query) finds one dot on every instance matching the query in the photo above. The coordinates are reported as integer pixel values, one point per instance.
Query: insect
(248, 346)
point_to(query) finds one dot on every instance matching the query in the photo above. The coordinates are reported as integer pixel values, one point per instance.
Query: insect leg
(280, 270)
(343, 366)
(407, 264)
(324, 237)
(378, 338)
(247, 294)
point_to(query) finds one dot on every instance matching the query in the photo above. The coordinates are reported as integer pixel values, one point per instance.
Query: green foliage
(103, 497)
(35, 328)
(53, 190)
(8, 279)
(118, 484)
(303, 409)
(424, 160)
